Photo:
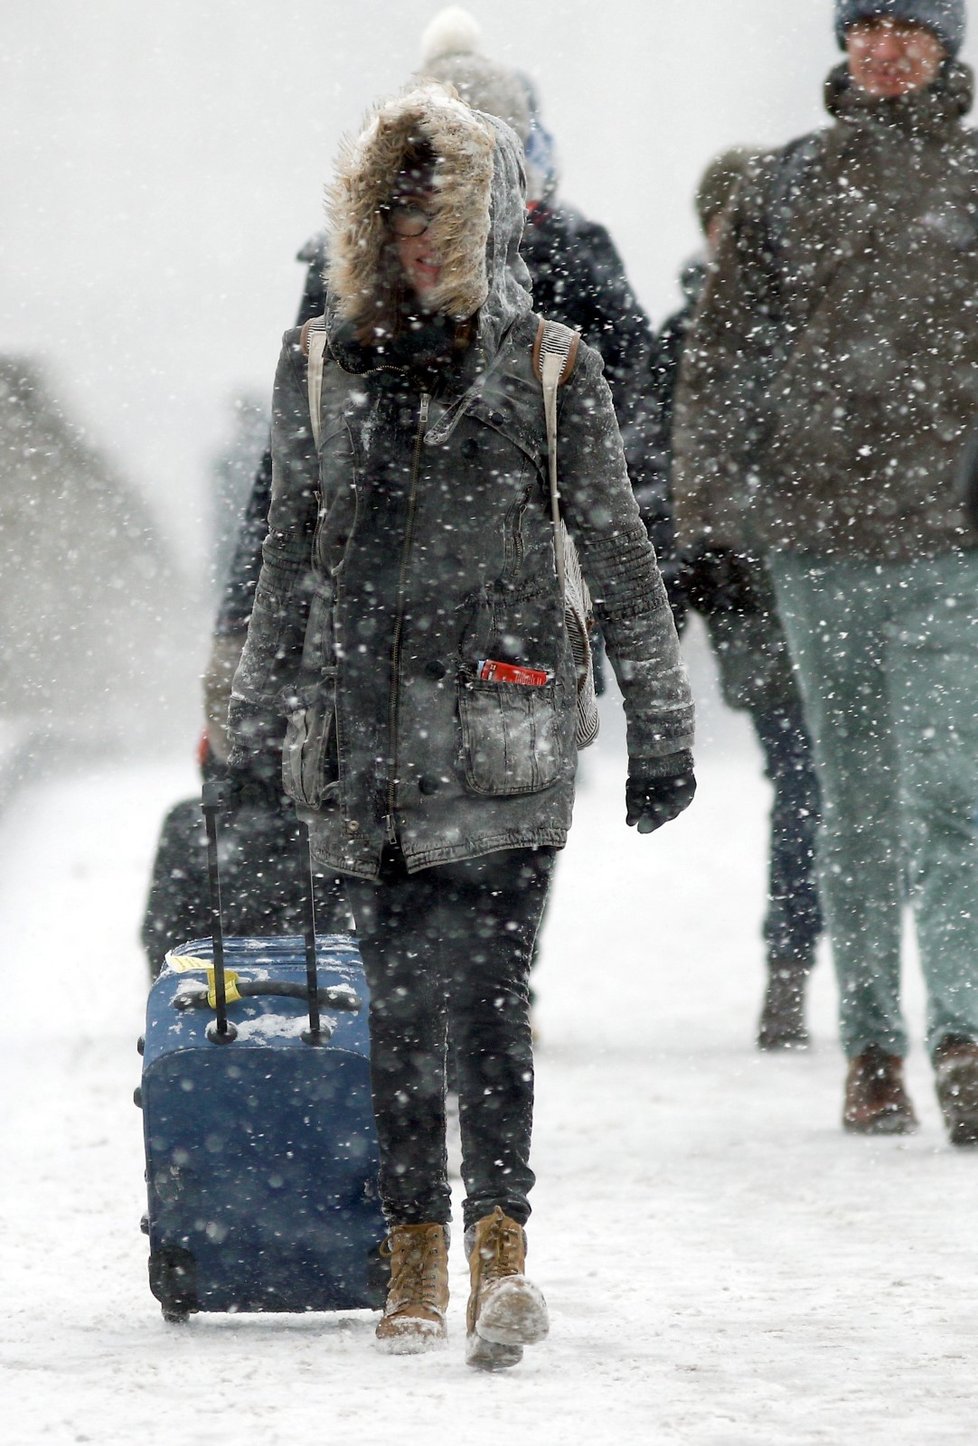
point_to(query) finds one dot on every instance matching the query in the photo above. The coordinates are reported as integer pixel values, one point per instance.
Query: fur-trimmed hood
(480, 181)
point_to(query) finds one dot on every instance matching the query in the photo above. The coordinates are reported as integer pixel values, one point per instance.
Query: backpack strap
(554, 358)
(312, 340)
(555, 349)
(551, 341)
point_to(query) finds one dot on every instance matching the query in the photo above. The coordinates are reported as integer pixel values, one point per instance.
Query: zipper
(338, 579)
(394, 706)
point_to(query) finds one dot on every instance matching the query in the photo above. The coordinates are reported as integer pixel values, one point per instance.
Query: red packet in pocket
(491, 671)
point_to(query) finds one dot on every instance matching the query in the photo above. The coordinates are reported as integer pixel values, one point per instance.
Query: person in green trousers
(828, 384)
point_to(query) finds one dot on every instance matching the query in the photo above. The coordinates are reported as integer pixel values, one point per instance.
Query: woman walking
(410, 616)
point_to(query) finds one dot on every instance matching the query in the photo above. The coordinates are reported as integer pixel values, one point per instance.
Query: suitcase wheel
(173, 1280)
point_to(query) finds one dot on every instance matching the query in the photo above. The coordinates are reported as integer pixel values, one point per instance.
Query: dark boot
(956, 1080)
(876, 1102)
(782, 1021)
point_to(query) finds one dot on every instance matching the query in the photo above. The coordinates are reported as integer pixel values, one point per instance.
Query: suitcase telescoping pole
(315, 1033)
(222, 1030)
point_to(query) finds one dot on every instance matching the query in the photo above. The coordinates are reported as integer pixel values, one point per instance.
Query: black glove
(968, 477)
(658, 789)
(255, 783)
(254, 765)
(718, 580)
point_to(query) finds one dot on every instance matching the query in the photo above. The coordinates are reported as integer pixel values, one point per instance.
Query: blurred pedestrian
(409, 611)
(828, 381)
(577, 273)
(732, 591)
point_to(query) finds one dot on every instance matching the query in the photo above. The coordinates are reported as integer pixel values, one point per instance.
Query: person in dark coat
(409, 620)
(733, 594)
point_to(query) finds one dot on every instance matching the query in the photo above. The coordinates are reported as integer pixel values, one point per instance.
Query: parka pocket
(512, 738)
(309, 763)
(337, 509)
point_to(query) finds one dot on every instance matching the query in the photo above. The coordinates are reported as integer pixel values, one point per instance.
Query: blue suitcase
(261, 1154)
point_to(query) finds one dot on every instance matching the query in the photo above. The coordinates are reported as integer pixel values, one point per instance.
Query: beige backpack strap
(553, 340)
(554, 357)
(312, 340)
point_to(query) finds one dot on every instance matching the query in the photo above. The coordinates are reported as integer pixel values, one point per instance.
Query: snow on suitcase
(261, 1155)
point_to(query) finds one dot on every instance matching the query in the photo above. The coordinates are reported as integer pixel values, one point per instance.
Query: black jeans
(794, 917)
(450, 947)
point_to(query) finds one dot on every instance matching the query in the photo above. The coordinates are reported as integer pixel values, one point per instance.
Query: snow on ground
(723, 1265)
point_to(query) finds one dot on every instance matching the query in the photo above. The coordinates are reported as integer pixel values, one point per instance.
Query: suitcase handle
(332, 996)
(222, 1030)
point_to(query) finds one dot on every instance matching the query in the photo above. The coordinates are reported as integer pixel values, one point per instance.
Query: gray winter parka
(832, 366)
(419, 543)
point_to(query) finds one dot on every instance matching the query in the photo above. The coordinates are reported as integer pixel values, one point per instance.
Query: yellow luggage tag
(231, 995)
(184, 963)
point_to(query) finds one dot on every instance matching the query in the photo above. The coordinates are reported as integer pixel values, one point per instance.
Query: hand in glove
(968, 477)
(256, 784)
(719, 580)
(253, 772)
(658, 789)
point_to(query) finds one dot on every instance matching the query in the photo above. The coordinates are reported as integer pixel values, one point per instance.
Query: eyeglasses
(409, 220)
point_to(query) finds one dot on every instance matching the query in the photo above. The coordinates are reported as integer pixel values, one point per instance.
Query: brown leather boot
(417, 1297)
(956, 1080)
(506, 1311)
(876, 1102)
(782, 1021)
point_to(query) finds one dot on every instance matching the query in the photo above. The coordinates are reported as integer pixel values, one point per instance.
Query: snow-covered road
(723, 1265)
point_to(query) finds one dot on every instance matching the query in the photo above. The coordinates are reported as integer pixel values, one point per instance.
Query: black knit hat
(946, 18)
